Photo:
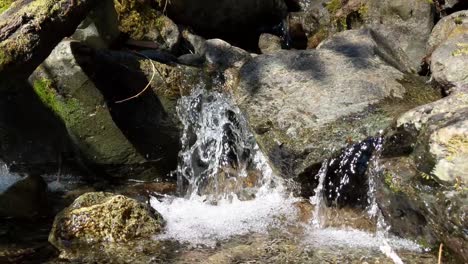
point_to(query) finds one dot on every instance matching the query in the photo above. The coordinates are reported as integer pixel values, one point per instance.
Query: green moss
(363, 10)
(333, 6)
(49, 96)
(4, 5)
(136, 18)
(392, 182)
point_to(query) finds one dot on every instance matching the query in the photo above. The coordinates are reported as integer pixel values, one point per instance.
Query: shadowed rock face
(305, 106)
(229, 19)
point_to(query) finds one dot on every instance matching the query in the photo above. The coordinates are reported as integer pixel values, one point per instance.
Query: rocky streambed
(327, 131)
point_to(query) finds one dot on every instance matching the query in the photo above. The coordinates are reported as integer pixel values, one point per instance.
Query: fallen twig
(440, 253)
(147, 85)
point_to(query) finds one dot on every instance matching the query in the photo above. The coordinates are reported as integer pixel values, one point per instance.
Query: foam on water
(196, 222)
(352, 238)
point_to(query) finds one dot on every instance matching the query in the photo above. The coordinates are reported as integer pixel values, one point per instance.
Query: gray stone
(407, 23)
(305, 106)
(66, 89)
(269, 43)
(422, 187)
(441, 130)
(448, 48)
(217, 52)
(355, 43)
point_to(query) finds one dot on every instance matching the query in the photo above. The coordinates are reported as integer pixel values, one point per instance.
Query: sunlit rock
(103, 217)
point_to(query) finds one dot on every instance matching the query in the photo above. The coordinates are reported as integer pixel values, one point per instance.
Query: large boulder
(305, 106)
(448, 50)
(63, 86)
(422, 187)
(405, 24)
(103, 218)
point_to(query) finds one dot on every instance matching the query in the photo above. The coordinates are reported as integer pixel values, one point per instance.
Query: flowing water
(230, 202)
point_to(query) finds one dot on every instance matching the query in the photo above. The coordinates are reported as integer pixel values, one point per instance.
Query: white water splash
(199, 223)
(7, 179)
(352, 238)
(218, 156)
(318, 200)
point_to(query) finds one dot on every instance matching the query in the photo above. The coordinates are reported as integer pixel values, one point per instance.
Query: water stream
(227, 190)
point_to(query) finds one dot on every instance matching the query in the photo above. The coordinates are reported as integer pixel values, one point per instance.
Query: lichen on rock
(104, 217)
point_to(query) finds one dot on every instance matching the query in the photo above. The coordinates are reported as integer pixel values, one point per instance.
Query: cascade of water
(219, 157)
(318, 200)
(229, 188)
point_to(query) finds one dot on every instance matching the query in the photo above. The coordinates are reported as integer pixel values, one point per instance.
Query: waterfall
(225, 184)
(219, 157)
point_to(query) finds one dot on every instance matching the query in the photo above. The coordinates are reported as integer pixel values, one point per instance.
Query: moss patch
(4, 5)
(333, 6)
(137, 19)
(65, 109)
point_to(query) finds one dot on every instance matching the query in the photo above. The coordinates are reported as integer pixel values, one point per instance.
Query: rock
(26, 198)
(227, 18)
(103, 217)
(65, 88)
(440, 134)
(405, 24)
(448, 49)
(269, 43)
(32, 139)
(416, 207)
(100, 29)
(354, 43)
(195, 60)
(304, 110)
(422, 189)
(222, 54)
(141, 22)
(217, 52)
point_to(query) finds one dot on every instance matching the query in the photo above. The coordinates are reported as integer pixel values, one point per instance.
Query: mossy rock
(140, 21)
(62, 85)
(104, 217)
